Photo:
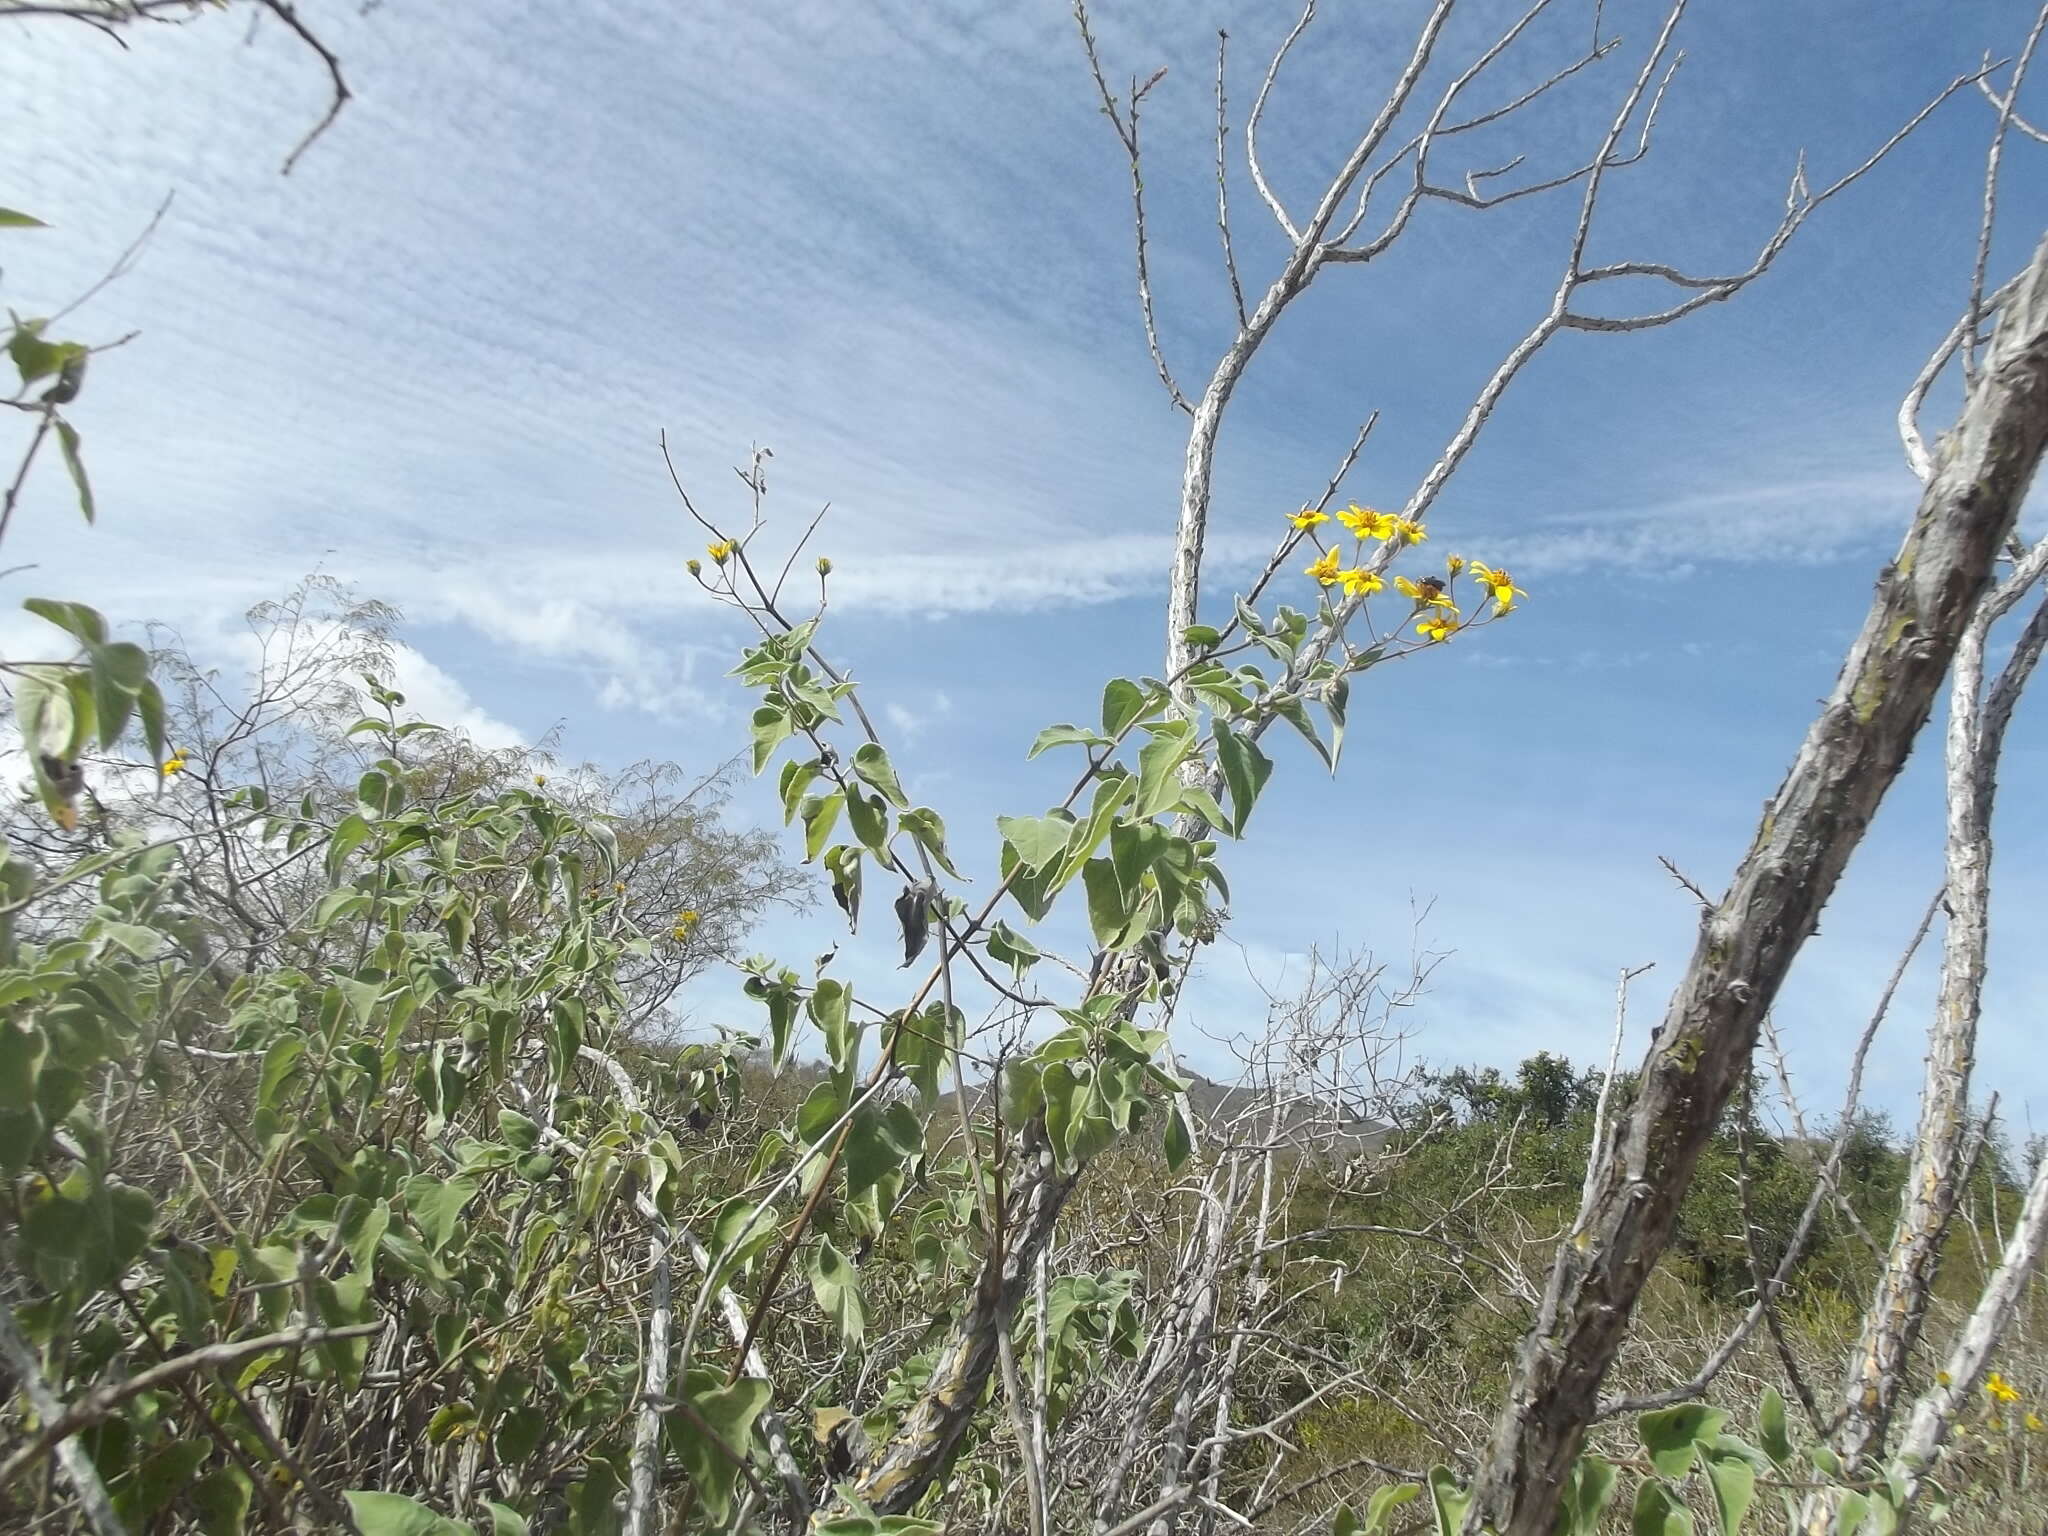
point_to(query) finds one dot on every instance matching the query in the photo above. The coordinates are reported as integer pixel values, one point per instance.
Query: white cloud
(431, 694)
(1770, 522)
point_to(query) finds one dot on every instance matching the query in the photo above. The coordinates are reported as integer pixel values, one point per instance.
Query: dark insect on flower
(1431, 586)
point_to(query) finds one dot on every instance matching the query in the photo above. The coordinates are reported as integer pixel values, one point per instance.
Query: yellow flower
(1438, 626)
(540, 781)
(1454, 563)
(2000, 1390)
(721, 551)
(824, 566)
(1428, 592)
(2033, 1422)
(618, 887)
(175, 763)
(1497, 585)
(1307, 518)
(1942, 1378)
(1409, 532)
(1325, 569)
(1366, 523)
(1359, 582)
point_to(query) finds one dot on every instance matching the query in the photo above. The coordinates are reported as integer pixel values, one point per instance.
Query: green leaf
(393, 1514)
(1849, 1513)
(35, 358)
(878, 1143)
(436, 1206)
(348, 835)
(1770, 1427)
(820, 815)
(1065, 736)
(1123, 701)
(730, 1413)
(1179, 1140)
(1734, 1481)
(922, 1047)
(591, 1511)
(874, 768)
(1245, 772)
(1023, 1092)
(1158, 762)
(23, 1048)
(11, 219)
(519, 1434)
(923, 824)
(520, 1132)
(1008, 947)
(505, 1520)
(836, 1284)
(1671, 1435)
(1195, 798)
(1199, 637)
(1111, 794)
(1882, 1518)
(278, 1060)
(1336, 699)
(1587, 1493)
(796, 778)
(1038, 840)
(820, 1111)
(1658, 1512)
(830, 1008)
(1134, 847)
(1295, 713)
(222, 1502)
(167, 1473)
(67, 438)
(1107, 916)
(770, 729)
(1032, 889)
(1383, 1503)
(1091, 1128)
(149, 705)
(118, 674)
(75, 619)
(842, 864)
(47, 713)
(380, 794)
(868, 818)
(1448, 1501)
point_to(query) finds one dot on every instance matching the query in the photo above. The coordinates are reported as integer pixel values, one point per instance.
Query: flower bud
(824, 566)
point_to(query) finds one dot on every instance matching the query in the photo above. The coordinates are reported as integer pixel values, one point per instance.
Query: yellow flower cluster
(1437, 616)
(721, 551)
(686, 920)
(1999, 1390)
(175, 763)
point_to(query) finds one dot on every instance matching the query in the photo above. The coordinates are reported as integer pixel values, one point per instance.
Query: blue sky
(890, 241)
